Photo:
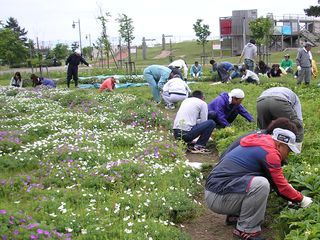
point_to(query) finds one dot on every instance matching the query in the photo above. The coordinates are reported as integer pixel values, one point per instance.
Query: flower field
(75, 164)
(78, 165)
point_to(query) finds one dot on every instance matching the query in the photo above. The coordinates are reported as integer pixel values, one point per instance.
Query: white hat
(237, 93)
(77, 51)
(286, 137)
(116, 78)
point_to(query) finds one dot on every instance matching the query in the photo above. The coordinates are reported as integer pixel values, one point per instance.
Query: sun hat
(307, 44)
(287, 137)
(116, 78)
(287, 55)
(237, 93)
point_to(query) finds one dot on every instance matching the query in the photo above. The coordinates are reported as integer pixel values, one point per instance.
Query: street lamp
(74, 26)
(90, 45)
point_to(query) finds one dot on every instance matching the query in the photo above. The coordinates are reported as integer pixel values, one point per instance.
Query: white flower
(69, 229)
(84, 231)
(128, 230)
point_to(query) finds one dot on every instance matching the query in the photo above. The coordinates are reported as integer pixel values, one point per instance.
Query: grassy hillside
(189, 50)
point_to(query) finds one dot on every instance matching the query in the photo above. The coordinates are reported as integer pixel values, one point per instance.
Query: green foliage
(12, 49)
(313, 11)
(261, 29)
(202, 32)
(60, 51)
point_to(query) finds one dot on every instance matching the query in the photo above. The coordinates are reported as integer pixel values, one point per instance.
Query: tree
(87, 52)
(12, 49)
(103, 40)
(313, 11)
(74, 46)
(261, 30)
(60, 51)
(126, 33)
(202, 32)
(12, 24)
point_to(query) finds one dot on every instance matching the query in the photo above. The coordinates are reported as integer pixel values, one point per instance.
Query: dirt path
(209, 225)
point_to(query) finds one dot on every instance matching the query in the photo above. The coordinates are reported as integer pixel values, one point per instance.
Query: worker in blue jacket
(224, 69)
(225, 108)
(156, 76)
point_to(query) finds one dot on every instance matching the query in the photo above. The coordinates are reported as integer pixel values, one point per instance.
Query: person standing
(278, 102)
(73, 62)
(156, 76)
(191, 122)
(249, 53)
(196, 70)
(239, 185)
(304, 64)
(175, 90)
(182, 66)
(225, 108)
(16, 80)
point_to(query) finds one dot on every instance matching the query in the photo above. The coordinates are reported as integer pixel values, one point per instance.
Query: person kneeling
(239, 185)
(187, 125)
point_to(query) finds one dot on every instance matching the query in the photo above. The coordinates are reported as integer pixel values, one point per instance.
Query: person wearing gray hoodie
(249, 53)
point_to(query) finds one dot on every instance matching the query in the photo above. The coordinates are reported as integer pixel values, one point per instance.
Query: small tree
(103, 40)
(202, 32)
(261, 30)
(60, 51)
(74, 46)
(126, 33)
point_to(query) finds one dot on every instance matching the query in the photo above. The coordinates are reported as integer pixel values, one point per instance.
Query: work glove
(90, 65)
(306, 201)
(298, 68)
(65, 66)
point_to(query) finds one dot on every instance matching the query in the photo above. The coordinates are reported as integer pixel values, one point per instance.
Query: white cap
(116, 78)
(286, 137)
(237, 93)
(77, 51)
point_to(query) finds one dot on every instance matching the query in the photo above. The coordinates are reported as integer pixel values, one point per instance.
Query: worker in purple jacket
(225, 108)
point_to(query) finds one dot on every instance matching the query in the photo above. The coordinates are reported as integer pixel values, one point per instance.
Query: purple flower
(33, 236)
(2, 211)
(16, 232)
(32, 225)
(4, 237)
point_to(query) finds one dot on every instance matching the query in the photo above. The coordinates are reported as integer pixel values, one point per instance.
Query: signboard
(216, 46)
(225, 26)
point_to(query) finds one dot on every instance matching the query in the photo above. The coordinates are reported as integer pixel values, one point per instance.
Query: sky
(51, 20)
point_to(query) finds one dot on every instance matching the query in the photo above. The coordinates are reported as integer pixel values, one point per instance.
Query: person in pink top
(108, 84)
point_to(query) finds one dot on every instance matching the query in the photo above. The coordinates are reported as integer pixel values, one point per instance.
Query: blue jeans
(153, 84)
(249, 63)
(203, 130)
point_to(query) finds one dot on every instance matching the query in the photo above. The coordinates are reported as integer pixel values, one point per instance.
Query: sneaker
(199, 149)
(169, 106)
(247, 236)
(231, 220)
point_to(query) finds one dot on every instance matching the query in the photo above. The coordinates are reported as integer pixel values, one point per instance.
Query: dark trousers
(204, 130)
(72, 73)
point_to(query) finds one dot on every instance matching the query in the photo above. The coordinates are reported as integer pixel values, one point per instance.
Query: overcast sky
(51, 20)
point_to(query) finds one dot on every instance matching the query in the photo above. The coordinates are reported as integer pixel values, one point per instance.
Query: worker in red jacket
(108, 84)
(239, 184)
